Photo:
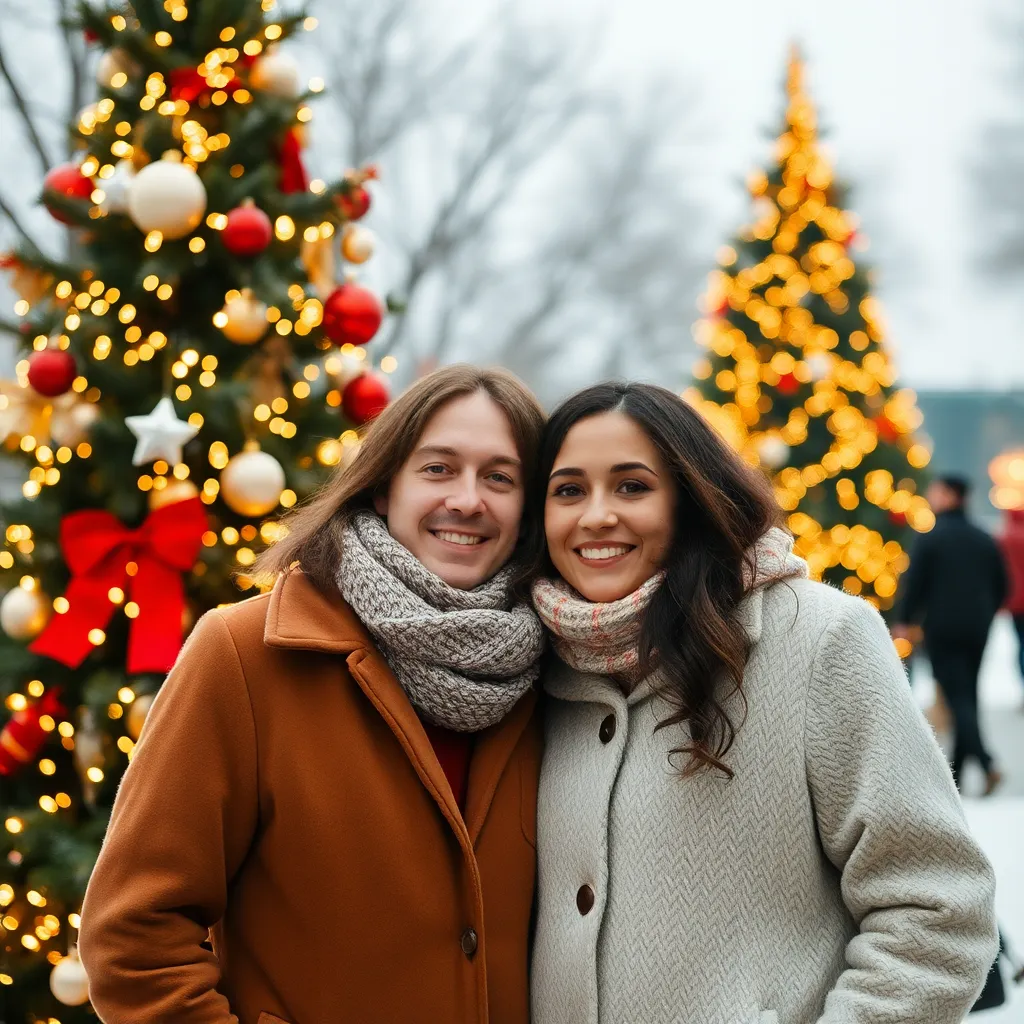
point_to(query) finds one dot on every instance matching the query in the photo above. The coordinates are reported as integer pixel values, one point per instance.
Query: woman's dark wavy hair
(690, 629)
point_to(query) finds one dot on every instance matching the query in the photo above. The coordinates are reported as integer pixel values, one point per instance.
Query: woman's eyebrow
(625, 467)
(567, 471)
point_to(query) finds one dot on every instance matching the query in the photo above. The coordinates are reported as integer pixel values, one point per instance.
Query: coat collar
(301, 617)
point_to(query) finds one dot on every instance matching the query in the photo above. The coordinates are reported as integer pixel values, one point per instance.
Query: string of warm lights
(797, 377)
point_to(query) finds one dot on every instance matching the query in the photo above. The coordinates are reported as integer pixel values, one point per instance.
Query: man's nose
(465, 499)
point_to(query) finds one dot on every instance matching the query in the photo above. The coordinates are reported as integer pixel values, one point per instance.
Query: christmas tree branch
(9, 327)
(26, 114)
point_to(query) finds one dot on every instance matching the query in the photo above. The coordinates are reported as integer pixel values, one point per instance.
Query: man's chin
(461, 576)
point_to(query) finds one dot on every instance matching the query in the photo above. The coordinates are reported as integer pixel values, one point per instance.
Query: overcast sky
(903, 86)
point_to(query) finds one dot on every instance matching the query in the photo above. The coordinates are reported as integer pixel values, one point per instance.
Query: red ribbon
(146, 564)
(289, 159)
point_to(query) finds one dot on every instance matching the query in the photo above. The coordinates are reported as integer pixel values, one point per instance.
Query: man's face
(457, 501)
(940, 497)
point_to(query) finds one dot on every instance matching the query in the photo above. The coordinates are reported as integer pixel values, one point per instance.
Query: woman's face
(609, 508)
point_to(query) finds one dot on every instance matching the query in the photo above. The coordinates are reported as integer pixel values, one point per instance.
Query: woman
(742, 817)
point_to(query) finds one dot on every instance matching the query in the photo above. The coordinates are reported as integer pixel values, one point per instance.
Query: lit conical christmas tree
(797, 376)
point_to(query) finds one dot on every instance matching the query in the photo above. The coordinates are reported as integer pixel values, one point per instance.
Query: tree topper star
(161, 434)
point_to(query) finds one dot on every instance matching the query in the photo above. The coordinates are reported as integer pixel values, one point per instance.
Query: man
(337, 783)
(955, 586)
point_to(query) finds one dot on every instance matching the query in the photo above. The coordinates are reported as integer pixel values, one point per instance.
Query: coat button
(607, 730)
(469, 942)
(585, 900)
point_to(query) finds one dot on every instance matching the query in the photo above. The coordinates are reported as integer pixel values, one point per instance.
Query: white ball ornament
(820, 365)
(167, 196)
(277, 73)
(113, 64)
(24, 613)
(243, 319)
(69, 427)
(352, 364)
(251, 483)
(68, 981)
(357, 243)
(773, 452)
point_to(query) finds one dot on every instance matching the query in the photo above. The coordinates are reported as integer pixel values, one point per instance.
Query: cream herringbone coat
(832, 881)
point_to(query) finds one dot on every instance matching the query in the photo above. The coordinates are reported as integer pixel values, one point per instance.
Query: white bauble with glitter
(24, 613)
(68, 981)
(773, 452)
(277, 73)
(251, 483)
(167, 196)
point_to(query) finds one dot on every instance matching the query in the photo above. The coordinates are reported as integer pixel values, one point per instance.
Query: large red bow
(146, 564)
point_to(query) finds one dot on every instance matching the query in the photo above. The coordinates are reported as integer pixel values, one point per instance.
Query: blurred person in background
(955, 586)
(1012, 543)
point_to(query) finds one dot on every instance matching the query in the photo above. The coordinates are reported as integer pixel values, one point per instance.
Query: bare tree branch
(8, 211)
(26, 115)
(75, 49)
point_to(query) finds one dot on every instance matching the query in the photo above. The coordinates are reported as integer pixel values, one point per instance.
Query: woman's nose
(598, 515)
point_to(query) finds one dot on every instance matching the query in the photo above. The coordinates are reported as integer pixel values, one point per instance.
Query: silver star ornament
(161, 434)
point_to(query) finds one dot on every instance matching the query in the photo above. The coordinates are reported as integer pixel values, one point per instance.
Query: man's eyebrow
(451, 453)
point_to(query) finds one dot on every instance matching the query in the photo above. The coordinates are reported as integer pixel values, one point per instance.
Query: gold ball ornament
(357, 243)
(24, 613)
(243, 319)
(167, 196)
(138, 711)
(277, 73)
(175, 491)
(251, 483)
(68, 981)
(70, 425)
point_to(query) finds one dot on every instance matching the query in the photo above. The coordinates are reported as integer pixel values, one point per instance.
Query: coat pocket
(269, 1018)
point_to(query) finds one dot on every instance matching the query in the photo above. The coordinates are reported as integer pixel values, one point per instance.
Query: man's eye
(436, 470)
(502, 478)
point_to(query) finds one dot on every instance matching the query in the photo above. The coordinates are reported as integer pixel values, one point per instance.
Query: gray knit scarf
(463, 657)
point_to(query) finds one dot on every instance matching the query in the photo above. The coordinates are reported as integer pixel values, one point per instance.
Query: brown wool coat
(285, 799)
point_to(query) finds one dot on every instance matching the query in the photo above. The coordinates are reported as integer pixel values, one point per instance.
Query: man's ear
(380, 503)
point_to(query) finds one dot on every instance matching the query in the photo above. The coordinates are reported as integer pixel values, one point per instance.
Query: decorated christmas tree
(797, 376)
(191, 370)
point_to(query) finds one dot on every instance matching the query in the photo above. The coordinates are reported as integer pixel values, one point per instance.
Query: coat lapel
(491, 754)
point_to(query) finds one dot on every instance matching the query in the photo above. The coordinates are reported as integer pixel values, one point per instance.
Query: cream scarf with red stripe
(604, 638)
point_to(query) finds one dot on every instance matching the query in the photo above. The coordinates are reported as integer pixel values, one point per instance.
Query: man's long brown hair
(314, 528)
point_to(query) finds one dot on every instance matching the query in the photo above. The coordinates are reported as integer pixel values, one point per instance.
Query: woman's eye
(633, 487)
(567, 491)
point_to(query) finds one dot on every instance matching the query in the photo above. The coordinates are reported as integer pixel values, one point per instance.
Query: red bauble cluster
(66, 180)
(248, 230)
(788, 384)
(51, 372)
(364, 398)
(23, 736)
(352, 315)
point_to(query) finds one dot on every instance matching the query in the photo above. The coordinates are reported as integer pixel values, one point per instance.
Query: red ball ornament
(898, 518)
(248, 230)
(352, 315)
(364, 398)
(788, 384)
(66, 180)
(355, 203)
(51, 372)
(887, 430)
(23, 736)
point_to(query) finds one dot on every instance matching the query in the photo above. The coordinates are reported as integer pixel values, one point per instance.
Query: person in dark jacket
(956, 583)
